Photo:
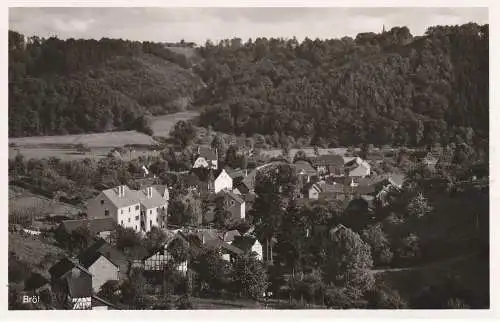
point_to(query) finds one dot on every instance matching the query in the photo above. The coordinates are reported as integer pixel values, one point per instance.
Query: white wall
(257, 248)
(102, 271)
(200, 163)
(130, 217)
(243, 211)
(154, 215)
(223, 181)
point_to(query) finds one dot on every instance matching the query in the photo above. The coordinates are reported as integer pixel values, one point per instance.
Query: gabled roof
(245, 243)
(95, 225)
(219, 244)
(132, 197)
(98, 249)
(98, 301)
(35, 281)
(242, 188)
(231, 235)
(328, 159)
(305, 166)
(235, 173)
(162, 190)
(206, 153)
(129, 198)
(231, 195)
(63, 266)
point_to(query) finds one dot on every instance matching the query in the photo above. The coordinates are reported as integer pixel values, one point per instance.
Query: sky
(198, 24)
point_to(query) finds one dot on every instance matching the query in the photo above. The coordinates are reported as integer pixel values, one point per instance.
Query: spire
(383, 28)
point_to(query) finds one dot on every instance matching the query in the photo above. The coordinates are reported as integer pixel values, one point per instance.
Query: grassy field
(100, 144)
(33, 250)
(162, 125)
(22, 202)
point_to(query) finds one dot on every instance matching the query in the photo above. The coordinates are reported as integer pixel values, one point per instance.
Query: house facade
(206, 158)
(223, 181)
(103, 270)
(139, 210)
(71, 284)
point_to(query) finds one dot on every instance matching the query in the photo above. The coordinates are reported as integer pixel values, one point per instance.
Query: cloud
(73, 25)
(200, 23)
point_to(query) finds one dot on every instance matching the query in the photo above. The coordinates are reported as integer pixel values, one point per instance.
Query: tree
(418, 206)
(349, 261)
(126, 238)
(232, 158)
(211, 270)
(219, 145)
(377, 239)
(249, 276)
(110, 291)
(300, 155)
(155, 239)
(384, 297)
(133, 289)
(183, 133)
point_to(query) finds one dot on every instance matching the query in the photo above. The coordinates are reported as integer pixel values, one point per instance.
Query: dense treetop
(78, 86)
(386, 88)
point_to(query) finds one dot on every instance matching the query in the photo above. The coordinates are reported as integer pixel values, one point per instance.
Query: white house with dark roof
(205, 158)
(139, 210)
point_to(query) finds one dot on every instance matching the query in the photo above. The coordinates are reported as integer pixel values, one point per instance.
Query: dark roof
(328, 159)
(365, 189)
(233, 196)
(242, 188)
(206, 153)
(79, 285)
(302, 165)
(235, 173)
(98, 301)
(219, 244)
(95, 226)
(244, 243)
(101, 248)
(61, 267)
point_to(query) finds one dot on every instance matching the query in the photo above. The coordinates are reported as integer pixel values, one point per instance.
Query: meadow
(100, 144)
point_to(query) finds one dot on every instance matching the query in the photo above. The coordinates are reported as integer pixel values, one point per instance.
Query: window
(135, 227)
(128, 209)
(102, 202)
(150, 223)
(150, 211)
(106, 212)
(157, 219)
(136, 217)
(121, 212)
(129, 220)
(137, 207)
(122, 222)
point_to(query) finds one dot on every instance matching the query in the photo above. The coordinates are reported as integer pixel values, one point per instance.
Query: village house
(98, 227)
(209, 180)
(357, 167)
(212, 239)
(100, 266)
(249, 245)
(205, 158)
(71, 285)
(329, 165)
(139, 210)
(234, 204)
(101, 247)
(305, 171)
(157, 259)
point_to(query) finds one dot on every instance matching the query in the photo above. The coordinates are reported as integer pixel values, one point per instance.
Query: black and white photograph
(248, 158)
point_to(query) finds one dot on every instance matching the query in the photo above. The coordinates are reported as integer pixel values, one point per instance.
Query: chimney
(149, 192)
(198, 149)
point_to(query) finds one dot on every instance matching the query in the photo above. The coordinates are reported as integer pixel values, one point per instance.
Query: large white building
(139, 210)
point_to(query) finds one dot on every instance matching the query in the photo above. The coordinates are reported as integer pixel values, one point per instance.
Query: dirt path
(439, 262)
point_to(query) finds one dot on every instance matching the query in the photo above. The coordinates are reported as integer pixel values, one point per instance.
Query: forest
(86, 86)
(385, 88)
(379, 88)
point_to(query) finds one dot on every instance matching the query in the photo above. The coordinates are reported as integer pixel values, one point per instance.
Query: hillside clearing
(161, 125)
